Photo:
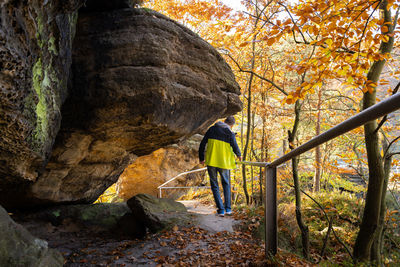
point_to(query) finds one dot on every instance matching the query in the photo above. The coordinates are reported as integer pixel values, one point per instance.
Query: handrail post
(271, 218)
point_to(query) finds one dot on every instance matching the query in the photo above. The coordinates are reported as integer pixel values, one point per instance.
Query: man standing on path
(221, 147)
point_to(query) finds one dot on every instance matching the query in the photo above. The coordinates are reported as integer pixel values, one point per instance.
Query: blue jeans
(226, 186)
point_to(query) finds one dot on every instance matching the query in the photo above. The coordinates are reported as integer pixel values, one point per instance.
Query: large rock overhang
(140, 81)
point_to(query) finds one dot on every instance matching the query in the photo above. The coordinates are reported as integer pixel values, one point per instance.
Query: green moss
(56, 213)
(37, 72)
(46, 79)
(40, 24)
(39, 41)
(40, 31)
(40, 132)
(47, 83)
(52, 45)
(105, 215)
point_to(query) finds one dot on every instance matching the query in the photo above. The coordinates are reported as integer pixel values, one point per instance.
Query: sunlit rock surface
(148, 172)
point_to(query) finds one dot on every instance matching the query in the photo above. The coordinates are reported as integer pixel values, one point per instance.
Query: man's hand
(201, 162)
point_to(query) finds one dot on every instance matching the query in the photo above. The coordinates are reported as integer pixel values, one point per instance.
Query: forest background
(304, 67)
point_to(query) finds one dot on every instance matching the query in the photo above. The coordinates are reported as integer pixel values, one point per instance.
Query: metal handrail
(252, 163)
(179, 175)
(374, 112)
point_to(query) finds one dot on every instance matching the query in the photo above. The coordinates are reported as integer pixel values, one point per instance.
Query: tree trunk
(284, 143)
(360, 168)
(249, 121)
(264, 158)
(372, 210)
(242, 129)
(261, 175)
(376, 249)
(303, 228)
(317, 177)
(254, 156)
(247, 136)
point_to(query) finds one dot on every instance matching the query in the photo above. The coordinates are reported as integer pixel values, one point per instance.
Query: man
(221, 147)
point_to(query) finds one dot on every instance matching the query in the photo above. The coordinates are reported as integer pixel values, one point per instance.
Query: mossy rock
(160, 213)
(104, 215)
(19, 248)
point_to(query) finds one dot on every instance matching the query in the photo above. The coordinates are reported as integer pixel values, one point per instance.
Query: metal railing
(176, 187)
(372, 113)
(271, 234)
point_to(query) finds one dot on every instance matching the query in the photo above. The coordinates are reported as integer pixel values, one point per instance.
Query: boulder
(106, 219)
(102, 215)
(159, 213)
(138, 82)
(19, 248)
(146, 173)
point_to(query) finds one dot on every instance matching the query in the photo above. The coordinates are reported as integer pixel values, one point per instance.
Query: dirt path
(214, 242)
(208, 220)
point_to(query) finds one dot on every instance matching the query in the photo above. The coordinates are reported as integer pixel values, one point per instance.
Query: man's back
(221, 146)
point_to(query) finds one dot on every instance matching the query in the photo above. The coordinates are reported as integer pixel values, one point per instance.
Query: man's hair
(230, 120)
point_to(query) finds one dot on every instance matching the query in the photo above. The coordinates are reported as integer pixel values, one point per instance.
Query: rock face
(35, 59)
(146, 173)
(19, 248)
(140, 81)
(159, 213)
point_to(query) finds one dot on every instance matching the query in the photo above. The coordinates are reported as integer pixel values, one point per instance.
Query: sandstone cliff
(75, 109)
(148, 172)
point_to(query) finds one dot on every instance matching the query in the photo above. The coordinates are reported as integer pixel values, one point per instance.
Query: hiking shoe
(228, 213)
(220, 214)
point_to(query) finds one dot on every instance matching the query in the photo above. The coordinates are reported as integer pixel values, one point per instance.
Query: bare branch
(392, 240)
(395, 18)
(385, 154)
(294, 23)
(258, 76)
(333, 230)
(341, 96)
(393, 154)
(328, 219)
(365, 27)
(394, 198)
(384, 119)
(326, 239)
